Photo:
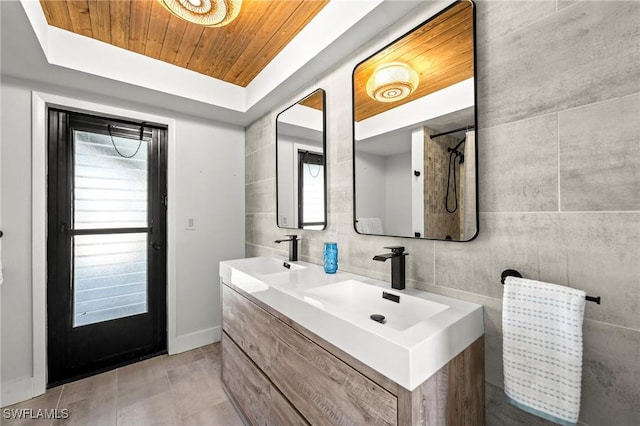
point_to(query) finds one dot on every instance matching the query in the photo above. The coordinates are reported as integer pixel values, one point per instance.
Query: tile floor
(177, 390)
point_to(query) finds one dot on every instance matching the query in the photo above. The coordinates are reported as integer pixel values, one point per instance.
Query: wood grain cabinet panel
(260, 402)
(247, 324)
(323, 388)
(281, 376)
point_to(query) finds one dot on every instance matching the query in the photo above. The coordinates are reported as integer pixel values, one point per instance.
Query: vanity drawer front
(324, 389)
(260, 402)
(247, 324)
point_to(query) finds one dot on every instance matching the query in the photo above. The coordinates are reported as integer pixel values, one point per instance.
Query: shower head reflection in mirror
(412, 171)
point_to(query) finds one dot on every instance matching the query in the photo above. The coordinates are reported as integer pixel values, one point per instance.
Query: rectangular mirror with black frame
(414, 121)
(301, 184)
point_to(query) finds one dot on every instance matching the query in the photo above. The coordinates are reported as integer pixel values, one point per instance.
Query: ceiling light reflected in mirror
(392, 82)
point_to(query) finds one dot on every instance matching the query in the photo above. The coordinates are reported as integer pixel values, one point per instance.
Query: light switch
(191, 223)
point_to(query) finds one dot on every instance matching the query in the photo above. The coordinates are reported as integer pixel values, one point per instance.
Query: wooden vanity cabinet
(279, 373)
(261, 402)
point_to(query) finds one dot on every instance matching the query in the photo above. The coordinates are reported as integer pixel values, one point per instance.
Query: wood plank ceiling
(440, 51)
(314, 100)
(235, 53)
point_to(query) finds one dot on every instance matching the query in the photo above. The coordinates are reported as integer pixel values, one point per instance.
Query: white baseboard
(195, 340)
(15, 391)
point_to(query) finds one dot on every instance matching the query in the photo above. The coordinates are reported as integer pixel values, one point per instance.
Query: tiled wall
(559, 187)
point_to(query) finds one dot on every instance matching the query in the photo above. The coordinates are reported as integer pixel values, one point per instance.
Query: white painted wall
(15, 192)
(417, 182)
(286, 183)
(371, 186)
(398, 187)
(384, 190)
(209, 185)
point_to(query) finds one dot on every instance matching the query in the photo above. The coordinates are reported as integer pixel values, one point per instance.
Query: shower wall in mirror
(300, 164)
(414, 120)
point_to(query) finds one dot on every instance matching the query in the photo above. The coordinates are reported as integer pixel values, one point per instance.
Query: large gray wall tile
(339, 116)
(259, 165)
(265, 231)
(263, 163)
(610, 378)
(260, 133)
(527, 242)
(518, 166)
(595, 252)
(601, 252)
(254, 250)
(260, 197)
(600, 156)
(610, 375)
(495, 19)
(579, 55)
(248, 227)
(566, 3)
(340, 182)
(501, 413)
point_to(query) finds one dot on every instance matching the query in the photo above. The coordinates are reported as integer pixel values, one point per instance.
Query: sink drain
(378, 318)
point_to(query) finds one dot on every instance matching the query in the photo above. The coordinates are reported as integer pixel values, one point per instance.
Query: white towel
(542, 348)
(369, 225)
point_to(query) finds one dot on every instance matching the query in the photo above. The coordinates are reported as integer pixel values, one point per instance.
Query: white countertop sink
(271, 265)
(421, 333)
(356, 302)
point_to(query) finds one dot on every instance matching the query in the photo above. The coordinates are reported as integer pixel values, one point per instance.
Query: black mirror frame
(475, 112)
(324, 154)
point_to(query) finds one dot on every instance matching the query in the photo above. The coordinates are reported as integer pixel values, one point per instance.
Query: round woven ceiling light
(209, 13)
(392, 82)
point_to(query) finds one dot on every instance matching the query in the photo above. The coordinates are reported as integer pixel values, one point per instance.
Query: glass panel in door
(109, 210)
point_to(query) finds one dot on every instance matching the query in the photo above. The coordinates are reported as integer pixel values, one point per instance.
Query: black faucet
(397, 265)
(293, 246)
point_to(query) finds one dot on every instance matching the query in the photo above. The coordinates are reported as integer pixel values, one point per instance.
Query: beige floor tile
(47, 401)
(94, 410)
(134, 393)
(141, 374)
(183, 389)
(100, 386)
(157, 410)
(212, 366)
(195, 388)
(212, 351)
(184, 358)
(90, 401)
(221, 414)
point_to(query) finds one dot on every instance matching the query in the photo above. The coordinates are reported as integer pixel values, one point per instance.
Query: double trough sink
(358, 302)
(407, 335)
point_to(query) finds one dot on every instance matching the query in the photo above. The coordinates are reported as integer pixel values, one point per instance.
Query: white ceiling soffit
(457, 97)
(340, 27)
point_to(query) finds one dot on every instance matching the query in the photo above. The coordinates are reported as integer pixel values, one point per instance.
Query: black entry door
(106, 254)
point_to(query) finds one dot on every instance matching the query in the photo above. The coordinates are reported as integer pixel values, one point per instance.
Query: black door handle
(156, 246)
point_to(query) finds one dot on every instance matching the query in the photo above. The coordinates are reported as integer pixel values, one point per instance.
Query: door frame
(40, 101)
